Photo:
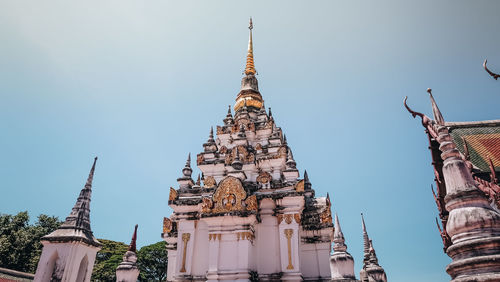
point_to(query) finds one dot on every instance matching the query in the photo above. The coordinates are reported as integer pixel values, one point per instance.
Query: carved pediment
(229, 195)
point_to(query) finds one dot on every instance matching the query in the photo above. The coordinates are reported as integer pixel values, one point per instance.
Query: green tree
(152, 262)
(108, 259)
(20, 246)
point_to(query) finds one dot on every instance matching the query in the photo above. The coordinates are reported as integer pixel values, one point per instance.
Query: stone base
(291, 276)
(242, 275)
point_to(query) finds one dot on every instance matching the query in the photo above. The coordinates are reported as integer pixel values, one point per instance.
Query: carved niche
(229, 195)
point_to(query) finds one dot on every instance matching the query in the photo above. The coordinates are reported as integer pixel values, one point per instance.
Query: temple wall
(69, 257)
(200, 258)
(267, 246)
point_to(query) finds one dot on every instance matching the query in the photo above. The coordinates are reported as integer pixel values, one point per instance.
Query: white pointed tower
(341, 262)
(127, 270)
(372, 271)
(69, 252)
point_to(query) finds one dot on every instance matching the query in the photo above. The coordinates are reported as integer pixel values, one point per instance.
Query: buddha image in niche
(229, 201)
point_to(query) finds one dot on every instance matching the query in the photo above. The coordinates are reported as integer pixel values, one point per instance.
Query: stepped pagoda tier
(249, 216)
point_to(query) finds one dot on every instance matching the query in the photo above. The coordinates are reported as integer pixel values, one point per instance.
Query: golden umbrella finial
(250, 68)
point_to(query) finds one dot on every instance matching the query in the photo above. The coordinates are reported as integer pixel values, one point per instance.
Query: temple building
(69, 252)
(249, 216)
(465, 160)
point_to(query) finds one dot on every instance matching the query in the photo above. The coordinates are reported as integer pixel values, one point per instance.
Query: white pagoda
(252, 218)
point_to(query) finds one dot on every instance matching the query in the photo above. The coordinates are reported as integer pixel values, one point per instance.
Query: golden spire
(250, 68)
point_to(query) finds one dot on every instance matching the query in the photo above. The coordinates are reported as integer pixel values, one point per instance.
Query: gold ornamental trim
(229, 195)
(299, 187)
(209, 182)
(288, 234)
(167, 225)
(173, 194)
(185, 240)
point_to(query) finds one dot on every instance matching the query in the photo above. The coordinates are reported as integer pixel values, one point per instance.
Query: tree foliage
(152, 262)
(20, 246)
(20, 249)
(107, 260)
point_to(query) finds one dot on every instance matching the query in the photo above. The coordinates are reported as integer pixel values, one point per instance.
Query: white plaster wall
(323, 253)
(267, 251)
(185, 226)
(172, 263)
(309, 260)
(200, 256)
(228, 252)
(70, 256)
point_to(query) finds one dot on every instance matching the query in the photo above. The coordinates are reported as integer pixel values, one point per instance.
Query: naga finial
(494, 75)
(426, 121)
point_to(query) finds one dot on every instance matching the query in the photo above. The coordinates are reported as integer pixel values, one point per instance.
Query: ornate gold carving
(167, 225)
(264, 177)
(209, 182)
(288, 218)
(269, 124)
(299, 187)
(206, 205)
(220, 130)
(244, 236)
(282, 151)
(185, 240)
(280, 218)
(297, 217)
(326, 216)
(223, 150)
(288, 234)
(229, 195)
(251, 203)
(200, 158)
(173, 194)
(214, 237)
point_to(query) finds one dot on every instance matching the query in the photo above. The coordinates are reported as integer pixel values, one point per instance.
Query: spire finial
(186, 171)
(366, 239)
(188, 161)
(438, 117)
(91, 174)
(132, 246)
(338, 237)
(250, 67)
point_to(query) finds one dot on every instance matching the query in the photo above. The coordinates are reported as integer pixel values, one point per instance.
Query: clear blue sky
(139, 83)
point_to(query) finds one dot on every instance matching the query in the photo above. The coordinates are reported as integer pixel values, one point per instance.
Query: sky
(140, 83)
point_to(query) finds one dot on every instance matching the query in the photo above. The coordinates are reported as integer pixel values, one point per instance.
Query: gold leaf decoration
(299, 187)
(209, 182)
(167, 225)
(173, 194)
(251, 203)
(229, 195)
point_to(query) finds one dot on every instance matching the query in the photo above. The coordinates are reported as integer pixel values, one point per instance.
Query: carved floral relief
(173, 194)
